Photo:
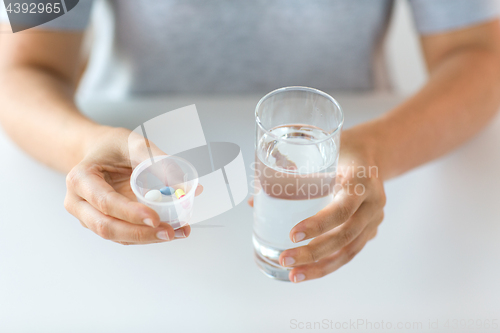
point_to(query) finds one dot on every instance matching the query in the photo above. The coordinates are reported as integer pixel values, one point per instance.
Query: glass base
(266, 259)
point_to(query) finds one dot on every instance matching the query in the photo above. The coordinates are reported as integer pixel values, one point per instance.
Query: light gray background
(405, 60)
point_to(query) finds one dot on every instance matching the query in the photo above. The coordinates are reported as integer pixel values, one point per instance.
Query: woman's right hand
(99, 194)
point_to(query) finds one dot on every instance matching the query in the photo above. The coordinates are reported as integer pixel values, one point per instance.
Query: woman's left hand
(341, 229)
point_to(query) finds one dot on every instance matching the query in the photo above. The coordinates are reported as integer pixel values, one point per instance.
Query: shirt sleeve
(76, 19)
(434, 16)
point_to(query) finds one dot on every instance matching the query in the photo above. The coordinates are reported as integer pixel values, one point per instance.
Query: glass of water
(296, 155)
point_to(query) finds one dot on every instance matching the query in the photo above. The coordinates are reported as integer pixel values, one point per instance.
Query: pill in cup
(155, 181)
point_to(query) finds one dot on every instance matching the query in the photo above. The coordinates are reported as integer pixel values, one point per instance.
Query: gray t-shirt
(234, 46)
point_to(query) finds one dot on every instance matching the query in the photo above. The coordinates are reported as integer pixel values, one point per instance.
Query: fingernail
(298, 237)
(148, 221)
(287, 261)
(298, 278)
(179, 233)
(162, 234)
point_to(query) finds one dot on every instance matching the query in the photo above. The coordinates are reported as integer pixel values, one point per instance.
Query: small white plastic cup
(170, 171)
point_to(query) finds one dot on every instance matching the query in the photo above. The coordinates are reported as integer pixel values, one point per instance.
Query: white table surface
(436, 257)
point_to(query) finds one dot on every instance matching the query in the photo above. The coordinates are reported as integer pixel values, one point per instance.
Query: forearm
(460, 98)
(39, 114)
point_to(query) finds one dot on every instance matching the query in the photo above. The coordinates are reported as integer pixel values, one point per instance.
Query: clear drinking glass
(296, 155)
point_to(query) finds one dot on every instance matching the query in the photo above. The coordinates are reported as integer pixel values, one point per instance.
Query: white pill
(153, 195)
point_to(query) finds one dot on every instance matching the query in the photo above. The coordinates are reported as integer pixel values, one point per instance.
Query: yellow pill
(179, 193)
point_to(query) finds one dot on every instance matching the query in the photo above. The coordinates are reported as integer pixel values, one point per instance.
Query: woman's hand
(99, 193)
(341, 229)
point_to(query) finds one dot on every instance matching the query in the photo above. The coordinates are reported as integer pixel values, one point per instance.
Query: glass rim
(299, 88)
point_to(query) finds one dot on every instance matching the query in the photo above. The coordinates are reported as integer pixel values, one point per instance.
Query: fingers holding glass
(336, 260)
(333, 240)
(342, 207)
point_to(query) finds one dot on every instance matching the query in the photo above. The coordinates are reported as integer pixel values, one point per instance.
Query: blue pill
(167, 190)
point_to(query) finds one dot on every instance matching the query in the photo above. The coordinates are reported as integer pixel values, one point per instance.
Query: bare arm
(38, 77)
(460, 98)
